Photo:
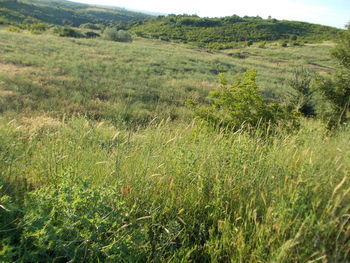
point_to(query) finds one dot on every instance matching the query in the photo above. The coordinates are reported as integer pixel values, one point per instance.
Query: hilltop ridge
(61, 12)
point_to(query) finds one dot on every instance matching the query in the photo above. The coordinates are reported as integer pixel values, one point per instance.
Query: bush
(240, 104)
(67, 31)
(117, 35)
(74, 221)
(302, 99)
(262, 44)
(92, 34)
(250, 43)
(284, 44)
(37, 28)
(335, 89)
(14, 29)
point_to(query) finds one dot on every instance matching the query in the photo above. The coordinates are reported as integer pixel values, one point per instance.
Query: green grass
(132, 82)
(100, 160)
(177, 193)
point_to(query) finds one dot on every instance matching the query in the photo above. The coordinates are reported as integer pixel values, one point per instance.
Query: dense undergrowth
(82, 191)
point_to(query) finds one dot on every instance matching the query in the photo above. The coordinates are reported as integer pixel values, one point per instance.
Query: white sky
(328, 12)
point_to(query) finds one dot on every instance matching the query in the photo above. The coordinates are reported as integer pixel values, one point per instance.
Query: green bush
(67, 31)
(302, 98)
(14, 29)
(250, 43)
(284, 44)
(117, 35)
(335, 89)
(240, 105)
(37, 28)
(262, 44)
(92, 34)
(72, 220)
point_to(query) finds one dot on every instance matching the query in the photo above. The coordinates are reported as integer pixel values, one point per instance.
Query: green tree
(335, 88)
(240, 105)
(302, 96)
(117, 35)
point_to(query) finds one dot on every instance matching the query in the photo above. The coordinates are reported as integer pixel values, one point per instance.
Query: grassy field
(132, 82)
(78, 185)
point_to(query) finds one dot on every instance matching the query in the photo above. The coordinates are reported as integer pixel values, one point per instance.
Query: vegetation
(336, 88)
(101, 160)
(116, 35)
(221, 33)
(84, 191)
(60, 12)
(133, 84)
(240, 105)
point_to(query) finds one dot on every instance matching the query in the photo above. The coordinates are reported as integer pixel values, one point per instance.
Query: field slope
(102, 161)
(61, 12)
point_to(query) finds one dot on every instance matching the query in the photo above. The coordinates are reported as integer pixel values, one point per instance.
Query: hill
(61, 12)
(222, 32)
(133, 82)
(102, 161)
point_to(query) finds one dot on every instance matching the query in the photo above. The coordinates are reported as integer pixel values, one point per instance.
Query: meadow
(134, 82)
(101, 160)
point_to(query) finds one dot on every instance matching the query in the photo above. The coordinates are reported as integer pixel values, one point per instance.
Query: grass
(185, 194)
(131, 83)
(101, 162)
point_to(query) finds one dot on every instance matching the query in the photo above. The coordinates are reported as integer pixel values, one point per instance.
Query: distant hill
(61, 12)
(221, 32)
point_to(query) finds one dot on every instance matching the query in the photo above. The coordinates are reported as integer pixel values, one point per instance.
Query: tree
(302, 91)
(335, 88)
(240, 104)
(116, 35)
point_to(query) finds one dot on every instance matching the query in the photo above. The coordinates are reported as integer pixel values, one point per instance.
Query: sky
(326, 12)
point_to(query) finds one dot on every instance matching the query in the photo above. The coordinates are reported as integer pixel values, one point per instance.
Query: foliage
(63, 13)
(205, 31)
(116, 35)
(67, 31)
(173, 192)
(37, 28)
(284, 43)
(74, 220)
(92, 26)
(14, 29)
(92, 34)
(336, 88)
(303, 93)
(240, 104)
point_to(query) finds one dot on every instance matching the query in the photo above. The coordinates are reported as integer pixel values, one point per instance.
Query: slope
(222, 32)
(62, 12)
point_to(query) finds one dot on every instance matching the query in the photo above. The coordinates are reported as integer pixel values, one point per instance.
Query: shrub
(91, 26)
(284, 44)
(240, 104)
(67, 31)
(92, 34)
(117, 35)
(37, 28)
(335, 89)
(73, 220)
(14, 29)
(303, 93)
(262, 44)
(250, 43)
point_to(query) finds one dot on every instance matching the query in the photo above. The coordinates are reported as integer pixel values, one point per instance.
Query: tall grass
(79, 190)
(130, 83)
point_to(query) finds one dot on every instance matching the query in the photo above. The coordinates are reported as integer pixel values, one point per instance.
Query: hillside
(134, 82)
(222, 32)
(61, 12)
(102, 158)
